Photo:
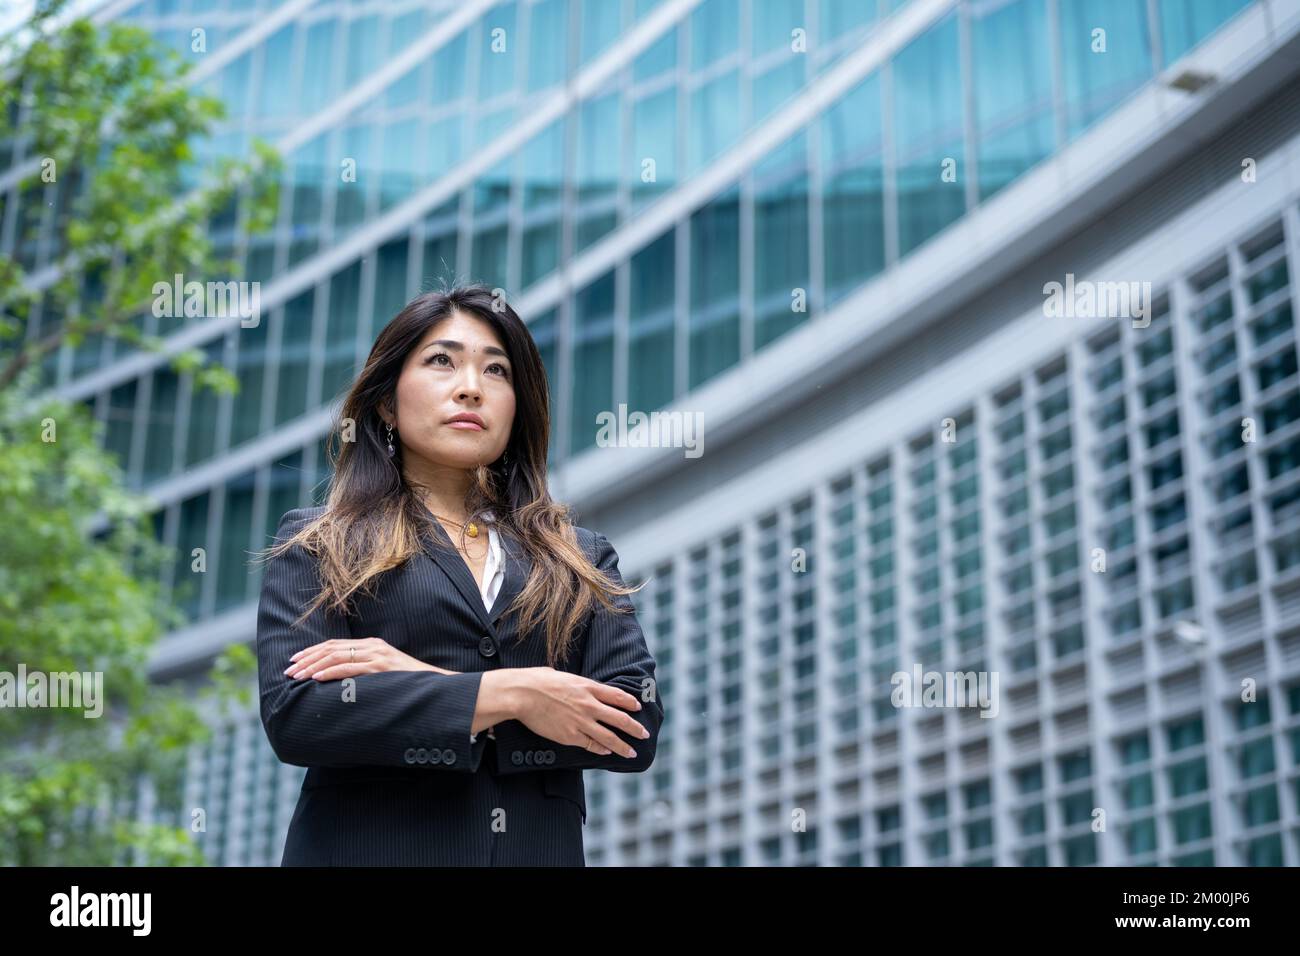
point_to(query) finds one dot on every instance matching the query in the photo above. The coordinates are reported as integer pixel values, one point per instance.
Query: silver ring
(354, 654)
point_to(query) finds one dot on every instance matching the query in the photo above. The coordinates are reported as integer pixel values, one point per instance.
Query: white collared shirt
(494, 574)
(494, 569)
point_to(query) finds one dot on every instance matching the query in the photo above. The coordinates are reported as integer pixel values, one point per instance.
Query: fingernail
(296, 656)
(288, 669)
(644, 733)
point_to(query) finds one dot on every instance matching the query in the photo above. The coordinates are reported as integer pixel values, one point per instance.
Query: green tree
(96, 125)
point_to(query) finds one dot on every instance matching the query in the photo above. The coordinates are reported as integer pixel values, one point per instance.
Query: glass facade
(913, 147)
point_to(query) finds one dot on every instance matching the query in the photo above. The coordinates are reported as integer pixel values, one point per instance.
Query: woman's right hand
(573, 710)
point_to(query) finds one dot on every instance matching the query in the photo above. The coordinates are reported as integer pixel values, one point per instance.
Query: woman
(439, 644)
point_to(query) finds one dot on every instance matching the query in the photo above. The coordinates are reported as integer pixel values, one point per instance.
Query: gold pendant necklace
(471, 529)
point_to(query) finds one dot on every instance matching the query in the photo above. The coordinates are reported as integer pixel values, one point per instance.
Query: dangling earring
(391, 450)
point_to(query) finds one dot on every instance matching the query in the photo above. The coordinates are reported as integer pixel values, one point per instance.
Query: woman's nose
(470, 388)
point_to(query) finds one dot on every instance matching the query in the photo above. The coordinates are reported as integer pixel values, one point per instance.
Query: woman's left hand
(335, 660)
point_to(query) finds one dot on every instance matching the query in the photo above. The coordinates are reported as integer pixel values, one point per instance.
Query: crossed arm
(614, 655)
(310, 722)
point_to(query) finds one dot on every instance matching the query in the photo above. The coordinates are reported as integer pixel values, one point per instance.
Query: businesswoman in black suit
(439, 645)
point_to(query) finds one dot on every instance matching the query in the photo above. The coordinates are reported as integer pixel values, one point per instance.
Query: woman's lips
(465, 425)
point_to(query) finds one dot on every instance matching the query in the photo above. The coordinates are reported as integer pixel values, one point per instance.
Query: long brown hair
(374, 520)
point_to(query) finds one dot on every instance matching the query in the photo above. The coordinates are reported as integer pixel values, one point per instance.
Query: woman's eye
(501, 369)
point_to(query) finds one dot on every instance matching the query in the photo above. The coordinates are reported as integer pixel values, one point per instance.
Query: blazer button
(550, 756)
(487, 647)
(517, 757)
(410, 755)
(528, 757)
(435, 755)
(449, 756)
(422, 756)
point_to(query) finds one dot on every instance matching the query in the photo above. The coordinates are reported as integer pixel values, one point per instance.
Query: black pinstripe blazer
(393, 778)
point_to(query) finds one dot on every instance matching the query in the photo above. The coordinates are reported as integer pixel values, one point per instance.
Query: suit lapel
(517, 567)
(454, 566)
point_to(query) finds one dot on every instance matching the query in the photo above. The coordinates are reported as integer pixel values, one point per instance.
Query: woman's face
(460, 368)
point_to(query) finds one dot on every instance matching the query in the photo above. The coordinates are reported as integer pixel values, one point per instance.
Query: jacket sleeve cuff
(449, 746)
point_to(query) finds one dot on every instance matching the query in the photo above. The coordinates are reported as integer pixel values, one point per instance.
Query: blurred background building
(837, 257)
